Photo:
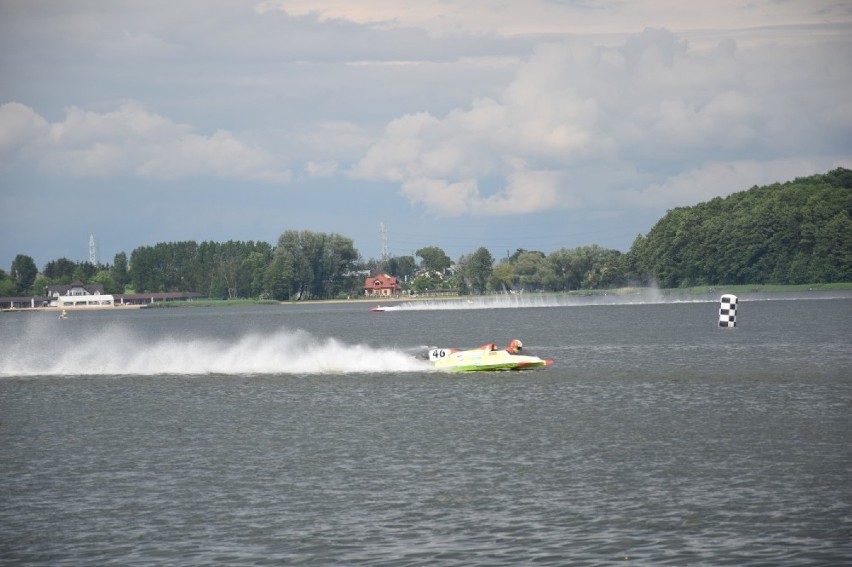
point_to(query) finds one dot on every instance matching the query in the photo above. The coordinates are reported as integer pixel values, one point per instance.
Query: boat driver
(514, 347)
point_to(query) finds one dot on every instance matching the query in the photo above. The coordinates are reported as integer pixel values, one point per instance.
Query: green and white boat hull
(483, 360)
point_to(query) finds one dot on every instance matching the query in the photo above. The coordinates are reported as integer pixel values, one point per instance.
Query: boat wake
(535, 300)
(120, 352)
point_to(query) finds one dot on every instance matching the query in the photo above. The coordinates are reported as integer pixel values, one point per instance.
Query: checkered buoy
(728, 311)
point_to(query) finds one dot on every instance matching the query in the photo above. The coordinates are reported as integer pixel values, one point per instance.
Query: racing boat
(484, 358)
(380, 308)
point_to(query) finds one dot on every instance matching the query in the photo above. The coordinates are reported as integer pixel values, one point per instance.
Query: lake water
(310, 435)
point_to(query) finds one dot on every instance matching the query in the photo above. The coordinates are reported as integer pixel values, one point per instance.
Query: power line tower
(383, 234)
(93, 251)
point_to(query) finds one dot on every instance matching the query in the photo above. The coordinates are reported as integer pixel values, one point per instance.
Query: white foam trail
(648, 296)
(641, 296)
(117, 351)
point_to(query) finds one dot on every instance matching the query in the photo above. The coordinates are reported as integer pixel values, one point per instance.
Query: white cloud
(677, 117)
(450, 199)
(526, 191)
(321, 169)
(20, 127)
(325, 144)
(717, 179)
(128, 141)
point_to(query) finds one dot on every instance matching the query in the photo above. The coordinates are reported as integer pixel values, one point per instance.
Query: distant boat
(63, 315)
(381, 308)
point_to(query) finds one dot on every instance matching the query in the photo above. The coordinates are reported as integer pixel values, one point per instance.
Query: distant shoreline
(76, 309)
(666, 292)
(695, 291)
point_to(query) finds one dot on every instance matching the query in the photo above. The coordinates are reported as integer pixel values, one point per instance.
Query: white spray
(118, 351)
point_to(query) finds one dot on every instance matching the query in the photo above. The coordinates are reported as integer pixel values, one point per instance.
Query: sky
(534, 124)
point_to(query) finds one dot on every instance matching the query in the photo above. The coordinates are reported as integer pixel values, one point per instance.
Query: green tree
(562, 274)
(80, 274)
(318, 263)
(603, 267)
(288, 253)
(795, 232)
(228, 270)
(254, 267)
(434, 259)
(147, 267)
(7, 285)
(637, 262)
(204, 274)
(40, 284)
(528, 269)
(403, 267)
(84, 272)
(143, 269)
(178, 271)
(279, 276)
(104, 277)
(502, 276)
(422, 284)
(478, 269)
(24, 273)
(61, 271)
(230, 266)
(119, 273)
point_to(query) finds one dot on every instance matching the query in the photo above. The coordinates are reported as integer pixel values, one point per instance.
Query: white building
(74, 301)
(78, 294)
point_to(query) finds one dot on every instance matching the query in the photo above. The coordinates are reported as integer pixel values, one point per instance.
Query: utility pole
(383, 234)
(93, 251)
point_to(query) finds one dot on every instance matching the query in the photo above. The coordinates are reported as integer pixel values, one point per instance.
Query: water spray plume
(526, 300)
(117, 351)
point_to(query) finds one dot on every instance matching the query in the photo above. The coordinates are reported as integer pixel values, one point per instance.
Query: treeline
(790, 233)
(303, 265)
(24, 278)
(796, 232)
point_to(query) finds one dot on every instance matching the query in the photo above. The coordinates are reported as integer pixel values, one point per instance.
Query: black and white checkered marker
(728, 311)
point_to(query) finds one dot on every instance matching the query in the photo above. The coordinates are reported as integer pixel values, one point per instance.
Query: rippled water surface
(309, 434)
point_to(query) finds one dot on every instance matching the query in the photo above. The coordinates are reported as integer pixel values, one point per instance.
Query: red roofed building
(381, 285)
